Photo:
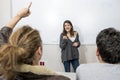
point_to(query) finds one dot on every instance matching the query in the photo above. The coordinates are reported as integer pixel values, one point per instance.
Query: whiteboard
(88, 17)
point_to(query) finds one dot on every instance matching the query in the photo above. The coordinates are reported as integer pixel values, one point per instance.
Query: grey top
(68, 51)
(98, 71)
(4, 35)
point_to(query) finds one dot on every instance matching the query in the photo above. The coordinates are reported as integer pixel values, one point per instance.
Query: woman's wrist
(18, 16)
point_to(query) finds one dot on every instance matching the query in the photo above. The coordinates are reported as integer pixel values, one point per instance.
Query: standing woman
(69, 43)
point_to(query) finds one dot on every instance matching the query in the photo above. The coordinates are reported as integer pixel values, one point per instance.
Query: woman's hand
(75, 44)
(24, 12)
(64, 37)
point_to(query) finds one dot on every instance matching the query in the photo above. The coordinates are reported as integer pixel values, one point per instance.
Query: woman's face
(67, 27)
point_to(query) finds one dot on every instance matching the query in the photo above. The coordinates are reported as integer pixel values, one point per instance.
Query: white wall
(5, 15)
(95, 14)
(51, 53)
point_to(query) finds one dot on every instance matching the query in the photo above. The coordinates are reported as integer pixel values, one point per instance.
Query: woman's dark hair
(71, 31)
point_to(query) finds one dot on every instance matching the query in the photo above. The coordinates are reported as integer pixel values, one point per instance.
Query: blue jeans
(74, 62)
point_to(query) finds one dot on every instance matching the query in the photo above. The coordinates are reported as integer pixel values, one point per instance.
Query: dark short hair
(108, 44)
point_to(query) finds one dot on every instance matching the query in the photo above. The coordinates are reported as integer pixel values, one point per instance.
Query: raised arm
(6, 31)
(20, 14)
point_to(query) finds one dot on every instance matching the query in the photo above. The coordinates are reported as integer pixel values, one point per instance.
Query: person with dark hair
(69, 43)
(108, 54)
(20, 56)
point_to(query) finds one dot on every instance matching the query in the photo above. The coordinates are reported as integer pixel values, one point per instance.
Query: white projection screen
(88, 17)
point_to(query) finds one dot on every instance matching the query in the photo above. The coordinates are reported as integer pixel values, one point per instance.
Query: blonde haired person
(18, 58)
(6, 31)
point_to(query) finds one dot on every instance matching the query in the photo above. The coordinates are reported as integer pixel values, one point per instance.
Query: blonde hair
(20, 49)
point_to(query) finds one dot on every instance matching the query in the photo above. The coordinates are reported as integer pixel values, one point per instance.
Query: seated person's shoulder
(87, 66)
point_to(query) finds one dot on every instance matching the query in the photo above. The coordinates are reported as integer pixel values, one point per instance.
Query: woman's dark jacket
(69, 52)
(5, 33)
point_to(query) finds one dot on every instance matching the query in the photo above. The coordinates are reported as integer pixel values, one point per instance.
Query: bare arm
(20, 14)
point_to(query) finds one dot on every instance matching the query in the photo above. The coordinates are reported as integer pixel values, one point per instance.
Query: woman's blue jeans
(74, 62)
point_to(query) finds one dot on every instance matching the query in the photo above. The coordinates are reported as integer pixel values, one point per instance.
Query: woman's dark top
(5, 33)
(69, 52)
